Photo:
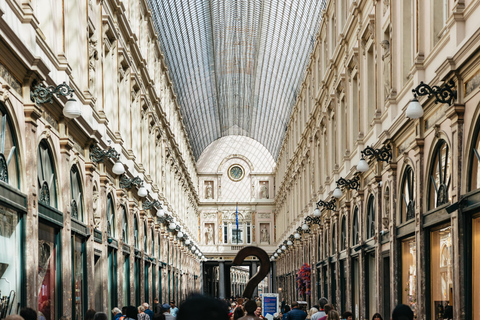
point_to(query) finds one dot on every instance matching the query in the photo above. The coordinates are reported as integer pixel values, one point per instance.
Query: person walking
(296, 313)
(142, 315)
(402, 312)
(250, 308)
(173, 309)
(116, 313)
(321, 312)
(156, 306)
(166, 312)
(148, 310)
(311, 312)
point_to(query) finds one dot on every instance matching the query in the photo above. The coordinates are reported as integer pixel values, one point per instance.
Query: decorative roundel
(236, 172)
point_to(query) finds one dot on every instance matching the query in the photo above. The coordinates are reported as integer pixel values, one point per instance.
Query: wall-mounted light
(39, 94)
(151, 204)
(382, 154)
(276, 255)
(289, 243)
(279, 250)
(329, 205)
(351, 184)
(284, 248)
(297, 235)
(172, 226)
(443, 94)
(126, 183)
(98, 155)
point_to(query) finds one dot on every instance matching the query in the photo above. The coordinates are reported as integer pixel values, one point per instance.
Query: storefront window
(441, 270)
(8, 152)
(409, 273)
(112, 280)
(475, 267)
(47, 272)
(47, 188)
(78, 253)
(407, 201)
(440, 177)
(10, 254)
(126, 280)
(76, 203)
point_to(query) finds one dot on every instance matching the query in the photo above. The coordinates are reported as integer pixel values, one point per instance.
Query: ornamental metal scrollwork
(329, 205)
(3, 168)
(126, 183)
(352, 184)
(382, 154)
(443, 94)
(42, 94)
(98, 155)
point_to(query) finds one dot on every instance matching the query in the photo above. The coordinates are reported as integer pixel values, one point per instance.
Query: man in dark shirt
(296, 313)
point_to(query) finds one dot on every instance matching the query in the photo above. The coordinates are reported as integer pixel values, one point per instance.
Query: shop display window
(475, 162)
(407, 202)
(441, 271)
(47, 272)
(76, 203)
(47, 188)
(476, 268)
(78, 253)
(10, 255)
(409, 273)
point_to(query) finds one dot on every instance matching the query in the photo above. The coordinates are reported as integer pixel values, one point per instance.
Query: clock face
(235, 172)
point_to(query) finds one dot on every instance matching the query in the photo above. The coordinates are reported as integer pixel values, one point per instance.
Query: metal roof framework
(236, 65)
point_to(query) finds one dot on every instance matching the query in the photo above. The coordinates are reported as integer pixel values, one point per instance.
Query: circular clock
(235, 172)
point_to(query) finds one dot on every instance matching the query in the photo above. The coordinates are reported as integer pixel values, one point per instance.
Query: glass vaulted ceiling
(236, 64)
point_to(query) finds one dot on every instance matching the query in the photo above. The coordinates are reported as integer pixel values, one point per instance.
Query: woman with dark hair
(200, 307)
(377, 316)
(287, 309)
(333, 315)
(100, 316)
(238, 313)
(132, 313)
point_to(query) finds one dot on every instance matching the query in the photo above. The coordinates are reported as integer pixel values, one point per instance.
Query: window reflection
(47, 272)
(440, 176)
(409, 273)
(475, 267)
(441, 270)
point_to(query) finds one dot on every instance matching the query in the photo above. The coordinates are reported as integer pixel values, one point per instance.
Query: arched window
(319, 247)
(343, 240)
(135, 232)
(371, 217)
(110, 217)
(334, 240)
(474, 175)
(124, 225)
(47, 187)
(8, 152)
(76, 203)
(145, 247)
(355, 228)
(153, 242)
(407, 201)
(440, 176)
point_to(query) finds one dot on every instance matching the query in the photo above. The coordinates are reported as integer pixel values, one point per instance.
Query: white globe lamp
(337, 193)
(362, 165)
(296, 235)
(289, 243)
(72, 109)
(316, 212)
(142, 192)
(304, 227)
(118, 168)
(414, 109)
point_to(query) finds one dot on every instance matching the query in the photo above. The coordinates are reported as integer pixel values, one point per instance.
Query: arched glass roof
(236, 64)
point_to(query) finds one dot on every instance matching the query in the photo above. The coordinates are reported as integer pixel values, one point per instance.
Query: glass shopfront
(11, 255)
(48, 273)
(441, 271)
(475, 268)
(409, 273)
(78, 262)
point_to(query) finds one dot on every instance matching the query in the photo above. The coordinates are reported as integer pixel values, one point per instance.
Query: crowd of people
(200, 307)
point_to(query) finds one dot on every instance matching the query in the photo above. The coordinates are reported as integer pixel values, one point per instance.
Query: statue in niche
(264, 234)
(264, 190)
(92, 61)
(386, 58)
(209, 234)
(208, 190)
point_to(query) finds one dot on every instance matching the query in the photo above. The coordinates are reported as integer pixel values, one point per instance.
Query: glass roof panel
(236, 65)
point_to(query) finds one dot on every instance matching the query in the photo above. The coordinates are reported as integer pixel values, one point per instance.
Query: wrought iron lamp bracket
(329, 205)
(151, 204)
(443, 94)
(40, 93)
(126, 183)
(352, 184)
(382, 154)
(98, 155)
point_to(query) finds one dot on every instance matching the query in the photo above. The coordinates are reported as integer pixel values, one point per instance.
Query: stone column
(221, 280)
